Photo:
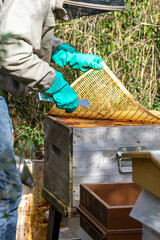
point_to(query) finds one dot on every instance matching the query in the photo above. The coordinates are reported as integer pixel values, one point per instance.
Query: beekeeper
(26, 67)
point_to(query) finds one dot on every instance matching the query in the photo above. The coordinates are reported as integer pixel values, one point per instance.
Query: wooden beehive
(81, 151)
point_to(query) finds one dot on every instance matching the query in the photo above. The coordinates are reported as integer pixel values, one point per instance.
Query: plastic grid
(108, 99)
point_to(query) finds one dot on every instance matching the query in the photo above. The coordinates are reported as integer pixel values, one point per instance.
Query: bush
(29, 142)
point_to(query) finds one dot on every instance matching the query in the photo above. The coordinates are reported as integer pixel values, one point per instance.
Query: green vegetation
(29, 141)
(128, 41)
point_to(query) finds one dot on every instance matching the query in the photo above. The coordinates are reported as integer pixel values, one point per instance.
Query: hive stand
(53, 224)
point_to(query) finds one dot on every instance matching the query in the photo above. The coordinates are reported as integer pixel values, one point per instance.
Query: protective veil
(80, 8)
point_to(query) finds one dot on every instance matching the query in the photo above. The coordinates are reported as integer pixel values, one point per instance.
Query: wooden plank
(85, 163)
(75, 122)
(58, 160)
(152, 155)
(111, 138)
(56, 174)
(57, 135)
(58, 205)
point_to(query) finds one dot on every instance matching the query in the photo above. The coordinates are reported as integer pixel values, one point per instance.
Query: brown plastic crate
(106, 207)
(97, 232)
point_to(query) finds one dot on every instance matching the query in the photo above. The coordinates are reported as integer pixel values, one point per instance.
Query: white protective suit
(28, 59)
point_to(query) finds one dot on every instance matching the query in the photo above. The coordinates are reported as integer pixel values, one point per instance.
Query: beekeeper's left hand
(65, 54)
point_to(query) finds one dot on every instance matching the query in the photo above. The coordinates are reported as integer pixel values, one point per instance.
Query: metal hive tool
(108, 99)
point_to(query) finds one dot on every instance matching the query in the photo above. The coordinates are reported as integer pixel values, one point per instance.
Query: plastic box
(104, 211)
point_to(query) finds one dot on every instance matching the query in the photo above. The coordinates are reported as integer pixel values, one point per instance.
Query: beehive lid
(146, 170)
(152, 155)
(108, 99)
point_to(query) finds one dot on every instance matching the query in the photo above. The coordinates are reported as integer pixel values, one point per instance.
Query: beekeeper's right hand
(65, 97)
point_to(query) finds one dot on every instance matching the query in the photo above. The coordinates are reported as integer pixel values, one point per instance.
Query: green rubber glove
(65, 54)
(65, 97)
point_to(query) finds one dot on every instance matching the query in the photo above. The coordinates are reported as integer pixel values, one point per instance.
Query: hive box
(104, 211)
(81, 151)
(146, 170)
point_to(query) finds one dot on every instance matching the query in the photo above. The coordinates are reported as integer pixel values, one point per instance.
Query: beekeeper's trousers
(10, 183)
